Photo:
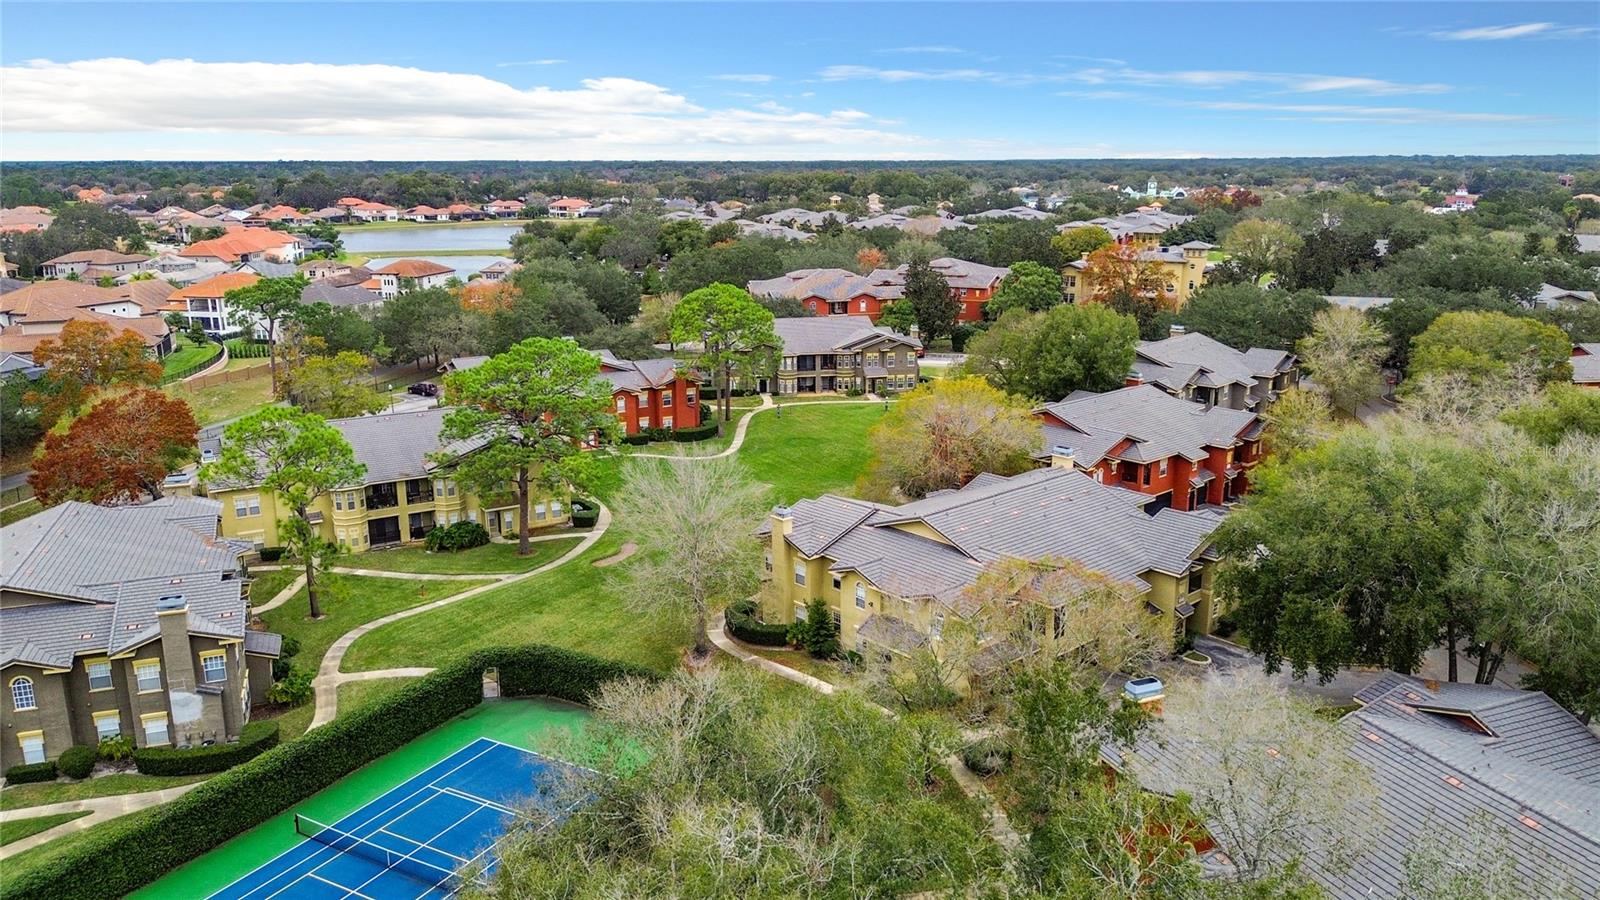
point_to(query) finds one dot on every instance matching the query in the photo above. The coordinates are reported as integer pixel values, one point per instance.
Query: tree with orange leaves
(869, 258)
(85, 357)
(1118, 276)
(120, 451)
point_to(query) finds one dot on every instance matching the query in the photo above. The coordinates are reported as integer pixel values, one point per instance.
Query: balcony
(419, 490)
(382, 496)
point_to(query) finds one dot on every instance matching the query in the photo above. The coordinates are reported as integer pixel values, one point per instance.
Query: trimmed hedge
(76, 761)
(256, 739)
(270, 554)
(742, 624)
(128, 853)
(697, 433)
(28, 773)
(682, 435)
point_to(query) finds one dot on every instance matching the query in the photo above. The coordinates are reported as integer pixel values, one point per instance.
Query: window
(107, 725)
(338, 500)
(32, 746)
(99, 674)
(936, 626)
(555, 509)
(689, 397)
(450, 488)
(22, 694)
(837, 582)
(245, 507)
(799, 572)
(215, 666)
(861, 596)
(666, 421)
(1130, 472)
(539, 511)
(1163, 467)
(155, 729)
(666, 400)
(148, 673)
(644, 400)
(622, 404)
(1196, 579)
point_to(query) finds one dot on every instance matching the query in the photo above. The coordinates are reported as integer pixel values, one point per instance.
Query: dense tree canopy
(1244, 316)
(119, 451)
(1048, 355)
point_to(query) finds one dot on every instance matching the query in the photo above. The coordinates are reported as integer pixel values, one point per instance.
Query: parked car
(424, 389)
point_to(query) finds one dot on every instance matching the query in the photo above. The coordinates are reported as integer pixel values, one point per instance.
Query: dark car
(424, 389)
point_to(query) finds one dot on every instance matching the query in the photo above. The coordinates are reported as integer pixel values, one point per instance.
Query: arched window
(22, 694)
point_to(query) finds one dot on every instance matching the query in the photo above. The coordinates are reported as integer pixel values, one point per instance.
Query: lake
(464, 265)
(430, 237)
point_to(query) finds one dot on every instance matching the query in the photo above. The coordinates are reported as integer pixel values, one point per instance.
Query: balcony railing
(421, 495)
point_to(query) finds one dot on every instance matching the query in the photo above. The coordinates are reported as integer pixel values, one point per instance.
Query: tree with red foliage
(120, 451)
(1118, 276)
(85, 357)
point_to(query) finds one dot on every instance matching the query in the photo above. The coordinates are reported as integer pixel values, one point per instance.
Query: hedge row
(742, 624)
(29, 773)
(255, 739)
(128, 853)
(682, 435)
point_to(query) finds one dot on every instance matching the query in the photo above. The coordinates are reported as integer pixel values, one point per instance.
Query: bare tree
(1272, 779)
(1478, 862)
(693, 521)
(942, 435)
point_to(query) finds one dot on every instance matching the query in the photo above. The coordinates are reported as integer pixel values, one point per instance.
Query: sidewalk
(100, 810)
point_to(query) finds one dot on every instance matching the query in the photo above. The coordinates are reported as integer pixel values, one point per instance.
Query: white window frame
(622, 406)
(109, 715)
(145, 721)
(1162, 469)
(26, 684)
(205, 670)
(142, 668)
(666, 399)
(666, 421)
(861, 596)
(35, 754)
(936, 626)
(89, 667)
(800, 572)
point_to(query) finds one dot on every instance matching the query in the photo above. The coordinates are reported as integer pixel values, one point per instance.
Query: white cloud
(748, 78)
(1123, 76)
(1512, 32)
(248, 109)
(530, 62)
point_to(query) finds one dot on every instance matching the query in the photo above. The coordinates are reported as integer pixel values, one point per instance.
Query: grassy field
(19, 512)
(25, 795)
(490, 558)
(44, 853)
(18, 829)
(348, 601)
(266, 583)
(356, 694)
(811, 450)
(226, 401)
(187, 354)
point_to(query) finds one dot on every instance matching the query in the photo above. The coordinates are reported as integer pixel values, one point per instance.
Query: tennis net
(412, 861)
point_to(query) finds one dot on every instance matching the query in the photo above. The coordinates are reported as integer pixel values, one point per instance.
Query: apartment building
(840, 292)
(1143, 227)
(841, 353)
(403, 495)
(1178, 453)
(127, 620)
(648, 393)
(1183, 268)
(894, 576)
(1192, 366)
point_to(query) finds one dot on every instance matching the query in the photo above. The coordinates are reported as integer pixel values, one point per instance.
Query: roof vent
(1177, 330)
(170, 602)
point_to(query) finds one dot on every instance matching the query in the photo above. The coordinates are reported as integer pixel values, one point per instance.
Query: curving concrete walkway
(744, 425)
(99, 808)
(326, 684)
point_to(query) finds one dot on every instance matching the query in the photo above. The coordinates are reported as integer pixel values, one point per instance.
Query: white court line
(341, 887)
(413, 854)
(369, 820)
(474, 798)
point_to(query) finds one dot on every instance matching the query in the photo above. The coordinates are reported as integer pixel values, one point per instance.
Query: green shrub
(987, 756)
(270, 554)
(742, 624)
(455, 538)
(585, 518)
(254, 739)
(853, 392)
(697, 433)
(817, 632)
(284, 664)
(29, 773)
(76, 761)
(292, 689)
(127, 853)
(291, 646)
(115, 749)
(635, 440)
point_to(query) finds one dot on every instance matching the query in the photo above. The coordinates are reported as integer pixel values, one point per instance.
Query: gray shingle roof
(109, 566)
(1586, 366)
(338, 295)
(636, 374)
(832, 334)
(1158, 424)
(395, 446)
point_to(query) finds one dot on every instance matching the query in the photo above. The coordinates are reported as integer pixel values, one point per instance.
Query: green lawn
(292, 722)
(266, 583)
(810, 450)
(44, 853)
(19, 512)
(348, 601)
(226, 401)
(25, 795)
(20, 828)
(488, 559)
(186, 354)
(571, 606)
(356, 694)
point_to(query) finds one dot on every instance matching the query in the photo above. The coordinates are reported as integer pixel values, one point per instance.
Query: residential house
(331, 214)
(1183, 267)
(286, 215)
(1552, 297)
(568, 208)
(41, 309)
(1151, 189)
(1460, 201)
(893, 576)
(411, 274)
(1586, 365)
(424, 213)
(1142, 439)
(499, 271)
(206, 302)
(182, 270)
(841, 353)
(770, 230)
(840, 292)
(267, 268)
(1024, 213)
(904, 221)
(369, 211)
(79, 263)
(403, 495)
(18, 219)
(1195, 367)
(98, 641)
(464, 212)
(1143, 227)
(246, 244)
(336, 295)
(504, 209)
(318, 269)
(1448, 760)
(797, 218)
(212, 211)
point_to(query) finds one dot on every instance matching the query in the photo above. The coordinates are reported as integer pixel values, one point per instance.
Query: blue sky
(795, 81)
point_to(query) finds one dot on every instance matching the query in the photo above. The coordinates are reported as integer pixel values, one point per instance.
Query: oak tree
(731, 326)
(85, 357)
(943, 434)
(120, 451)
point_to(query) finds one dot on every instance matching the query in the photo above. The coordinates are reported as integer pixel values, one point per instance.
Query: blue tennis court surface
(414, 840)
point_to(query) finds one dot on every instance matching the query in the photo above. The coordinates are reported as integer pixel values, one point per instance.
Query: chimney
(1177, 330)
(782, 520)
(1062, 457)
(1133, 379)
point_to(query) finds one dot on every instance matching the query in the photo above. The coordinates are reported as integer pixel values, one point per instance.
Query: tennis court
(416, 840)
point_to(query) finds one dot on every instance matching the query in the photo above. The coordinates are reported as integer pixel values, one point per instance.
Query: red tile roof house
(1141, 438)
(504, 209)
(464, 212)
(368, 211)
(245, 245)
(109, 261)
(40, 310)
(648, 393)
(840, 292)
(205, 302)
(411, 274)
(425, 214)
(568, 208)
(288, 215)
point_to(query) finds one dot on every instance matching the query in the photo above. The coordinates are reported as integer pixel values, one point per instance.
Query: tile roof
(215, 286)
(99, 258)
(1586, 366)
(636, 375)
(1157, 424)
(337, 295)
(237, 243)
(414, 268)
(832, 334)
(1195, 359)
(63, 301)
(82, 554)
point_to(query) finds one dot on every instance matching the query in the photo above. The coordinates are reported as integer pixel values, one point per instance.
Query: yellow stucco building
(1183, 268)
